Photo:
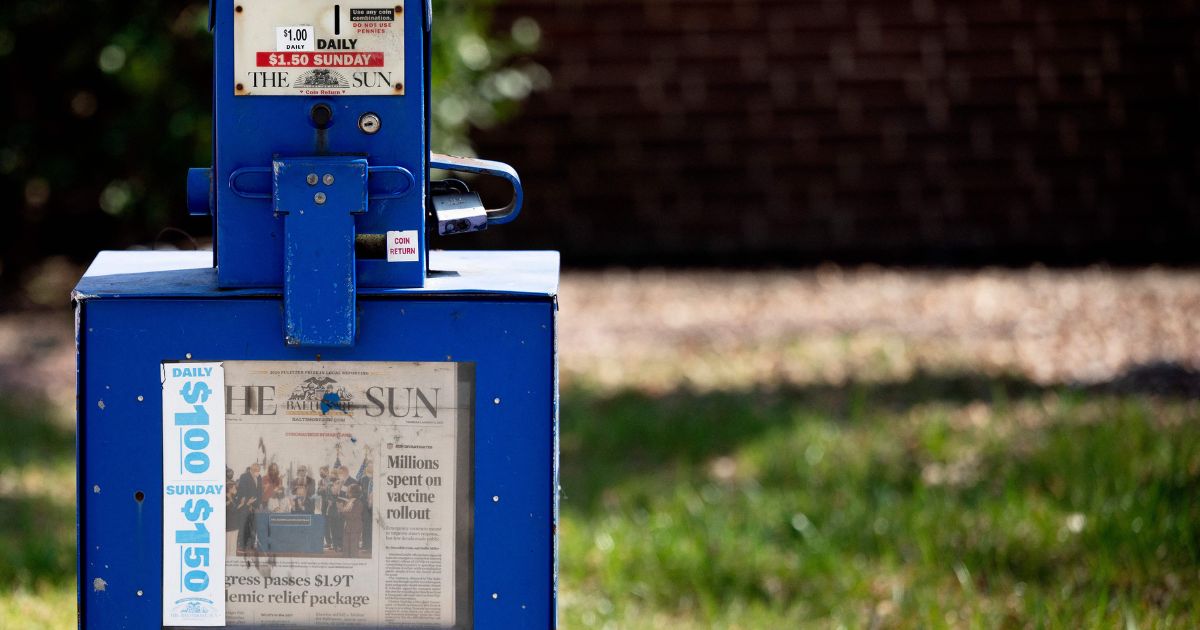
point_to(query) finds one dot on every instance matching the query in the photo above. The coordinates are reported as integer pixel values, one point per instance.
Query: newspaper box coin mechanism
(322, 423)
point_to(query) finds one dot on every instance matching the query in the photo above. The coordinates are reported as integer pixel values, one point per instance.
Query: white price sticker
(294, 38)
(193, 567)
(320, 48)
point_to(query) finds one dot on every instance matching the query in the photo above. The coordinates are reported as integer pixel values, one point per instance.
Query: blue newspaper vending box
(323, 422)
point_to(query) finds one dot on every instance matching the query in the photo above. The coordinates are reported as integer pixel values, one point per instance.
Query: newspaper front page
(344, 487)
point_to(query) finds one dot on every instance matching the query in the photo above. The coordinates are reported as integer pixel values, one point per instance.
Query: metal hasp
(318, 199)
(476, 166)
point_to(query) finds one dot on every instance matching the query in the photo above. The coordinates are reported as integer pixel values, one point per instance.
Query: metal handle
(496, 216)
(254, 182)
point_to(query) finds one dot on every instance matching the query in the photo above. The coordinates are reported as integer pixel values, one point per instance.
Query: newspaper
(348, 486)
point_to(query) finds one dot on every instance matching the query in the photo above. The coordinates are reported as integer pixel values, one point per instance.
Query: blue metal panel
(190, 274)
(199, 192)
(319, 198)
(251, 131)
(509, 338)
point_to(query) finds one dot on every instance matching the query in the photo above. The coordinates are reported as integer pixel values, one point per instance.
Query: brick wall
(923, 131)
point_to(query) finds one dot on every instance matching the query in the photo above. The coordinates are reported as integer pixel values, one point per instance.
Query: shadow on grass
(37, 518)
(610, 436)
(949, 488)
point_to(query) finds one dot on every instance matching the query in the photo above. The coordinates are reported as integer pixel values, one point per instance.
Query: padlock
(459, 213)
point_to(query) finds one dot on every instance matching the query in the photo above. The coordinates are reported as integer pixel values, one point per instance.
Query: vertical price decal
(193, 494)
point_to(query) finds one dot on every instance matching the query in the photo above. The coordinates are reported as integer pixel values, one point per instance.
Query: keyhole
(369, 123)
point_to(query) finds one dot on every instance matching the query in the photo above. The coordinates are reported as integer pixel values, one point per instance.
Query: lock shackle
(496, 216)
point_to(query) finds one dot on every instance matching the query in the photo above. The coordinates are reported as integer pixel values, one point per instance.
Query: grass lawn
(938, 501)
(37, 518)
(935, 502)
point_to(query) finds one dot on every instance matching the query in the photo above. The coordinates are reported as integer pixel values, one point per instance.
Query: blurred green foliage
(478, 78)
(107, 103)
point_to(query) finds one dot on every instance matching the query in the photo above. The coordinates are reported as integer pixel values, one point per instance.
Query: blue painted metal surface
(190, 274)
(256, 182)
(319, 198)
(199, 192)
(496, 310)
(285, 262)
(251, 131)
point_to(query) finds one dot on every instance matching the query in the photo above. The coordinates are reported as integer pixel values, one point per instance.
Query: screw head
(319, 198)
(312, 179)
(328, 179)
(369, 123)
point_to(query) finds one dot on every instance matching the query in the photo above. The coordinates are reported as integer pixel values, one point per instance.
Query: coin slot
(321, 116)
